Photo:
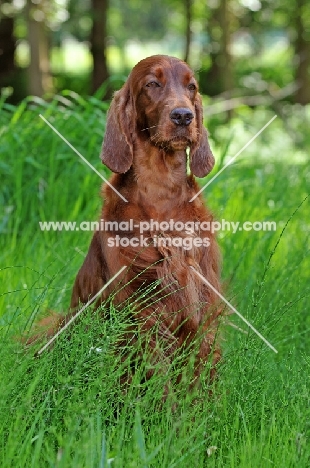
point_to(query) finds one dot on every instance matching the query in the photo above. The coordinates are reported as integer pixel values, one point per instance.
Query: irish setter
(154, 125)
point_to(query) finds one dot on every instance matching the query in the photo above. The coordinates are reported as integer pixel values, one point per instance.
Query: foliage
(137, 29)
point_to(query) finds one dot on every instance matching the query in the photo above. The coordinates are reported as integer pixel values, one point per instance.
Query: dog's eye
(191, 87)
(153, 84)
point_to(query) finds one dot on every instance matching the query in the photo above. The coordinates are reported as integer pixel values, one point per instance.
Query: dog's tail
(45, 328)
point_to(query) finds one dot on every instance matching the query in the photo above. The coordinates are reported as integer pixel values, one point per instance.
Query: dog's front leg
(91, 277)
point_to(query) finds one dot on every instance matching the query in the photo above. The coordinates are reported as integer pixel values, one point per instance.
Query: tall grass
(67, 408)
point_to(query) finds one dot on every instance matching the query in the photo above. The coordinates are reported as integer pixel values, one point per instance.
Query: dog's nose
(181, 116)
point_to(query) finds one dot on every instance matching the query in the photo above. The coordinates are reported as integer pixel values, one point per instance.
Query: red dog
(153, 121)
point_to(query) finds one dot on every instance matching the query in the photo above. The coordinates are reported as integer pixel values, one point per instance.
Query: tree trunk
(7, 49)
(39, 76)
(226, 59)
(188, 33)
(302, 54)
(219, 77)
(98, 43)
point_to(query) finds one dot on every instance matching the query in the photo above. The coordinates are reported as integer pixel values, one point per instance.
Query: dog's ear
(117, 147)
(201, 157)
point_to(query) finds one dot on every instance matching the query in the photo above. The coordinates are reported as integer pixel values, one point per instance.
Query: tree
(7, 48)
(39, 76)
(302, 51)
(188, 31)
(219, 77)
(98, 43)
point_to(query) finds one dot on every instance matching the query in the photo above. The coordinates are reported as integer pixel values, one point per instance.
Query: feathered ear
(117, 147)
(201, 157)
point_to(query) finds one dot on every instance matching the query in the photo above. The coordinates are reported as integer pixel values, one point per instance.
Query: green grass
(67, 408)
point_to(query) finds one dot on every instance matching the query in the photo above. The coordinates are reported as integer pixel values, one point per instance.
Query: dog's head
(160, 103)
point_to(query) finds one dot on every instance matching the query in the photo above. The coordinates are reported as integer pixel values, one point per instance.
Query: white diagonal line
(79, 312)
(234, 310)
(82, 157)
(232, 159)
